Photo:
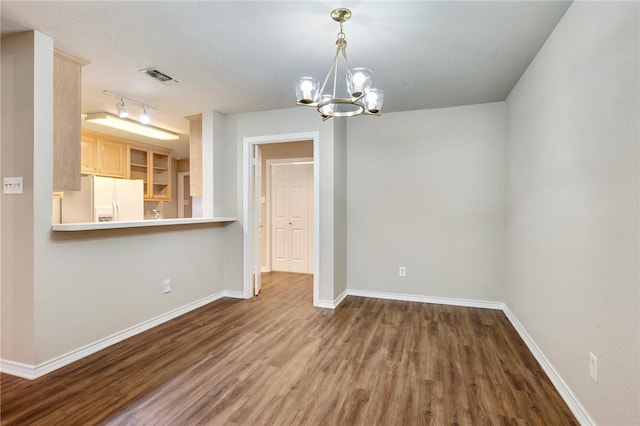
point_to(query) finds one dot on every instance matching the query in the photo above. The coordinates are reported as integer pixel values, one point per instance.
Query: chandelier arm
(335, 76)
(346, 61)
(331, 68)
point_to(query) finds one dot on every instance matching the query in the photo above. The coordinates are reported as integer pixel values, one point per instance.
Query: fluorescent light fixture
(110, 120)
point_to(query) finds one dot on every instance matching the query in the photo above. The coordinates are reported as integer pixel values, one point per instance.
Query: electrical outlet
(166, 285)
(402, 271)
(13, 185)
(593, 367)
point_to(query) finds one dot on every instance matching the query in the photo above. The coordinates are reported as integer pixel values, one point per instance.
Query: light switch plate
(13, 185)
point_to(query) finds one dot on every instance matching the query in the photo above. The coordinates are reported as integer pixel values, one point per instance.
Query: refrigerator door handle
(116, 210)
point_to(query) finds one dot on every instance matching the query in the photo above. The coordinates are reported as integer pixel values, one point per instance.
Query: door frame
(257, 220)
(269, 163)
(181, 176)
(248, 207)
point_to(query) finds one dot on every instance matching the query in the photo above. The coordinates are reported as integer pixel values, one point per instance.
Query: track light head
(122, 111)
(144, 117)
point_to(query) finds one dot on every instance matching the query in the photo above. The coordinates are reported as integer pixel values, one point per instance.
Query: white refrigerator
(104, 199)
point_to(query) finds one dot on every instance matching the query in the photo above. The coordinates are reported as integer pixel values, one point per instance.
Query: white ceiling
(242, 56)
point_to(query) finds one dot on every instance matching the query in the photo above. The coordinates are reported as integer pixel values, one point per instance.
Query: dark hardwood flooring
(276, 360)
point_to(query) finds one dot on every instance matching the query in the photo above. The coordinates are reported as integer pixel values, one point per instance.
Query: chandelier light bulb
(328, 109)
(358, 78)
(306, 86)
(373, 101)
(360, 82)
(307, 90)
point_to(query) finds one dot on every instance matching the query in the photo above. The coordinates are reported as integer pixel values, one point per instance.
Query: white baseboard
(331, 304)
(326, 304)
(470, 303)
(264, 269)
(565, 392)
(233, 294)
(17, 369)
(34, 371)
(340, 298)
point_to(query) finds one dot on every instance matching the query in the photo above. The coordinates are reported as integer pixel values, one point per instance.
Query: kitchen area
(112, 167)
(124, 180)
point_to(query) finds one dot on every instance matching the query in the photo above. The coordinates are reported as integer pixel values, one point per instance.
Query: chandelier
(359, 98)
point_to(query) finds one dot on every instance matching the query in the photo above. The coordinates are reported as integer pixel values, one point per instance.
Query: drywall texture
(62, 291)
(426, 191)
(572, 216)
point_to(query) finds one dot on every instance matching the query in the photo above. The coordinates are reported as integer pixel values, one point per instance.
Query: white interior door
(257, 222)
(291, 217)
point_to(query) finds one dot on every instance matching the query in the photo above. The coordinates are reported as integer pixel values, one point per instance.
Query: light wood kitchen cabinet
(67, 74)
(153, 166)
(107, 155)
(112, 158)
(161, 178)
(88, 154)
(104, 155)
(139, 167)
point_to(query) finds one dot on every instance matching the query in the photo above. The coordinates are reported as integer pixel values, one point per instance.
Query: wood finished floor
(276, 360)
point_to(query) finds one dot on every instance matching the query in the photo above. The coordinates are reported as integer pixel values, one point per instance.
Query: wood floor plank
(277, 360)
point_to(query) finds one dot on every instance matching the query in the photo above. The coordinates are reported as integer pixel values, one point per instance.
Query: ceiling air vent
(159, 75)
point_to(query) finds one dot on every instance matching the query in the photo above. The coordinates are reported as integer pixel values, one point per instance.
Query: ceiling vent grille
(159, 75)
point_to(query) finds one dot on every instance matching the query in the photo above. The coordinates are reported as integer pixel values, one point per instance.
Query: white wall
(426, 191)
(572, 213)
(19, 106)
(340, 207)
(62, 291)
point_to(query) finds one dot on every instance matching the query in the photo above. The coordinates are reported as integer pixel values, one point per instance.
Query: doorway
(253, 201)
(289, 215)
(184, 195)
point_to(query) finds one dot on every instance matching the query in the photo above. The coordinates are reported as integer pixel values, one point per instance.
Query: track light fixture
(141, 126)
(123, 112)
